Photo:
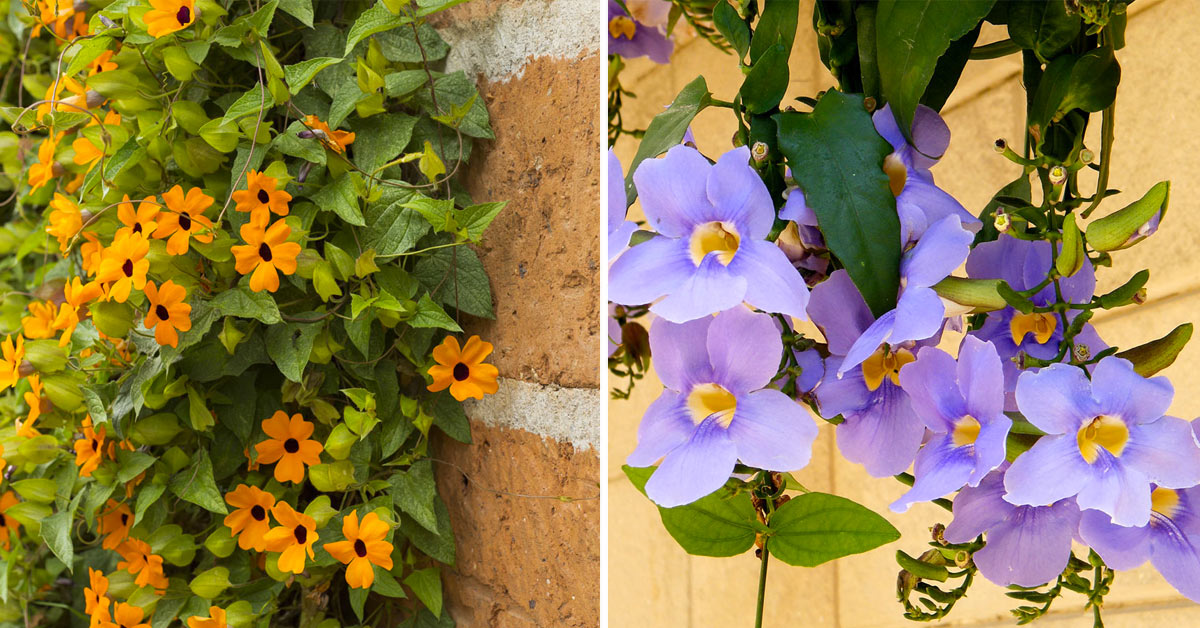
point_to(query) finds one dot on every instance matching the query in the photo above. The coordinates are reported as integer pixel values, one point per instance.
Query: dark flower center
(301, 534)
(137, 227)
(264, 252)
(263, 197)
(184, 16)
(258, 512)
(461, 371)
(185, 221)
(161, 313)
(127, 268)
(291, 445)
(360, 548)
(95, 445)
(124, 519)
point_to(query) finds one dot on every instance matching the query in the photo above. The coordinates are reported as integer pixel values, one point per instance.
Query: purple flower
(710, 253)
(962, 405)
(1024, 265)
(715, 409)
(919, 310)
(919, 202)
(880, 430)
(1169, 541)
(614, 331)
(1106, 440)
(1026, 545)
(619, 229)
(631, 38)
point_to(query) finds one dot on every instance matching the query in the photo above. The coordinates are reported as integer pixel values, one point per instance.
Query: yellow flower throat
(1103, 431)
(885, 364)
(714, 237)
(1040, 324)
(706, 400)
(622, 26)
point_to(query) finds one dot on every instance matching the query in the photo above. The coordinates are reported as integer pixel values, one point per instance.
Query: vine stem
(762, 587)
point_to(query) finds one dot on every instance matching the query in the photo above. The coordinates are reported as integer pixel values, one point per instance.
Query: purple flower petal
(616, 192)
(837, 308)
(1165, 451)
(738, 193)
(943, 248)
(931, 137)
(990, 447)
(841, 395)
(976, 509)
(812, 369)
(1118, 490)
(1175, 556)
(694, 469)
(1031, 548)
(649, 270)
(666, 425)
(711, 288)
(868, 342)
(1056, 399)
(931, 390)
(1121, 547)
(919, 315)
(773, 285)
(772, 432)
(618, 239)
(1002, 258)
(886, 126)
(744, 348)
(797, 209)
(647, 41)
(980, 377)
(940, 469)
(933, 203)
(1051, 470)
(672, 191)
(680, 353)
(1121, 391)
(885, 436)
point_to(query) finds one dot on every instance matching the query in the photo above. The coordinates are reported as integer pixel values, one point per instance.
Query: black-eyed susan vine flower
(169, 16)
(89, 450)
(40, 322)
(76, 295)
(462, 369)
(45, 169)
(266, 254)
(293, 538)
(115, 519)
(8, 525)
(102, 63)
(334, 140)
(123, 266)
(141, 220)
(95, 595)
(10, 366)
(66, 219)
(126, 615)
(363, 548)
(250, 521)
(184, 219)
(37, 405)
(215, 619)
(288, 444)
(87, 153)
(261, 197)
(166, 312)
(139, 560)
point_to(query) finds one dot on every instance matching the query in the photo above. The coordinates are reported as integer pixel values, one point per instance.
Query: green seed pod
(63, 390)
(45, 355)
(211, 583)
(112, 319)
(220, 543)
(156, 429)
(340, 440)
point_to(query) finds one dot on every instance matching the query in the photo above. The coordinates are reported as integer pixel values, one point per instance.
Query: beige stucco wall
(652, 583)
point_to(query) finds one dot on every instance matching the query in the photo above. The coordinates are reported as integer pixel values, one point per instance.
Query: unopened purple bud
(305, 168)
(107, 22)
(1140, 296)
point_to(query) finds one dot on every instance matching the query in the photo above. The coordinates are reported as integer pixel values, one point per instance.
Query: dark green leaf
(380, 138)
(767, 81)
(56, 532)
(776, 25)
(289, 345)
(1043, 27)
(374, 20)
(815, 528)
(431, 315)
(716, 525)
(837, 158)
(437, 545)
(732, 27)
(427, 584)
(449, 416)
(668, 128)
(300, 9)
(341, 198)
(413, 492)
(393, 229)
(196, 484)
(465, 286)
(477, 218)
(300, 74)
(245, 303)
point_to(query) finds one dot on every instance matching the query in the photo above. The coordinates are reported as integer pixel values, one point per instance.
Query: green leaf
(380, 138)
(449, 416)
(910, 36)
(437, 212)
(300, 9)
(474, 220)
(393, 229)
(776, 25)
(56, 532)
(341, 198)
(815, 528)
(198, 412)
(86, 52)
(456, 278)
(427, 584)
(289, 345)
(300, 74)
(95, 405)
(718, 525)
(767, 81)
(837, 158)
(668, 128)
(221, 134)
(436, 545)
(243, 302)
(196, 484)
(249, 103)
(1094, 80)
(413, 492)
(1043, 27)
(132, 464)
(732, 27)
(289, 143)
(431, 315)
(374, 20)
(261, 19)
(386, 585)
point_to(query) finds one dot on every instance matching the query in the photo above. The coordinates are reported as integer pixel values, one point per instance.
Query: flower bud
(63, 390)
(1082, 353)
(969, 296)
(241, 615)
(108, 23)
(758, 152)
(1001, 220)
(321, 510)
(1001, 145)
(1086, 156)
(180, 550)
(176, 459)
(1070, 258)
(636, 341)
(112, 319)
(1131, 224)
(1058, 175)
(1140, 296)
(36, 450)
(211, 583)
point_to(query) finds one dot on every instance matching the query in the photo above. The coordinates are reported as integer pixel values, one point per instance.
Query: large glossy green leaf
(668, 128)
(910, 37)
(1043, 27)
(837, 158)
(815, 528)
(716, 525)
(776, 25)
(767, 81)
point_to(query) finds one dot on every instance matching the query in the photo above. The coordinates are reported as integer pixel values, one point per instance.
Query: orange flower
(10, 366)
(267, 253)
(89, 450)
(42, 172)
(463, 371)
(37, 405)
(3, 462)
(123, 265)
(87, 153)
(77, 295)
(95, 597)
(126, 616)
(261, 197)
(65, 221)
(143, 563)
(169, 16)
(185, 220)
(251, 463)
(289, 445)
(333, 140)
(102, 63)
(166, 312)
(40, 322)
(8, 525)
(295, 536)
(364, 546)
(91, 252)
(215, 619)
(141, 220)
(54, 102)
(249, 522)
(115, 523)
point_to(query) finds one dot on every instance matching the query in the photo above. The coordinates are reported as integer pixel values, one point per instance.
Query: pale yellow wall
(652, 583)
